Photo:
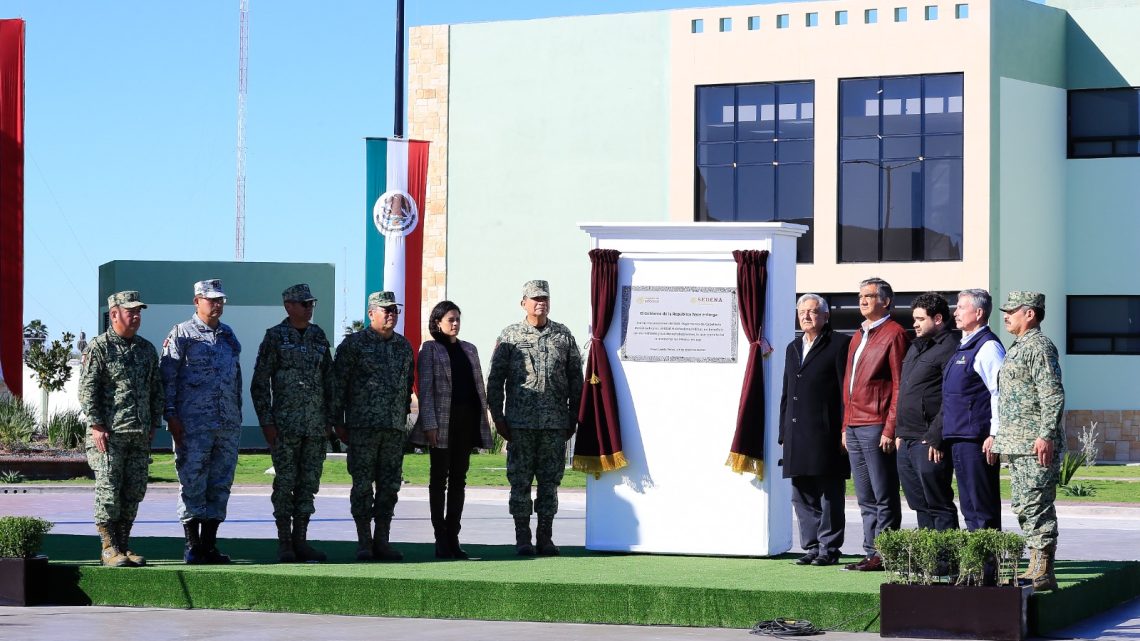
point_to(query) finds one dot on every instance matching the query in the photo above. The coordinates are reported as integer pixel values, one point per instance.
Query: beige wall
(825, 54)
(428, 82)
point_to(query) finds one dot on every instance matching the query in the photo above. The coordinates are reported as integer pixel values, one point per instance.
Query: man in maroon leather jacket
(870, 398)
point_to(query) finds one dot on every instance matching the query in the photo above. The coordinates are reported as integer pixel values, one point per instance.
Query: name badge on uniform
(526, 345)
(961, 360)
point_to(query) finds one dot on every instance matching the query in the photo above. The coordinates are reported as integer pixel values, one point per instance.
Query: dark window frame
(700, 216)
(1113, 337)
(883, 162)
(1072, 142)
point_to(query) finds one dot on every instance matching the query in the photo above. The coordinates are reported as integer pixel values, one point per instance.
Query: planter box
(953, 611)
(20, 580)
(47, 467)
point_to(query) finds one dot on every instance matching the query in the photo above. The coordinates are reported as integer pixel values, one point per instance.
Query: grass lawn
(489, 470)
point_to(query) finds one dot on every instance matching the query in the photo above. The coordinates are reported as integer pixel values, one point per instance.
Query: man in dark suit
(811, 426)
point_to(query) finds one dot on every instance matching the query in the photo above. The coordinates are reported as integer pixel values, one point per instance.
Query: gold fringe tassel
(597, 464)
(741, 464)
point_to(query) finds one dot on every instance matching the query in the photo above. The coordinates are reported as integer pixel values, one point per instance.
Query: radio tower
(243, 84)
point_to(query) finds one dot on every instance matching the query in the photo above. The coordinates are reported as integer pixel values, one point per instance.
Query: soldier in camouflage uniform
(292, 391)
(120, 393)
(202, 376)
(374, 372)
(537, 368)
(1031, 406)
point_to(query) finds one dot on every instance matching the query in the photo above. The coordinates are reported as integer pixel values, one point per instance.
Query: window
(871, 16)
(840, 17)
(755, 155)
(1104, 325)
(931, 12)
(698, 26)
(782, 21)
(1104, 123)
(961, 11)
(900, 14)
(900, 169)
(725, 24)
(811, 20)
(846, 318)
(753, 23)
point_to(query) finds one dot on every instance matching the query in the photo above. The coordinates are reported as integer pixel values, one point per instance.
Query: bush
(21, 536)
(17, 423)
(65, 430)
(925, 557)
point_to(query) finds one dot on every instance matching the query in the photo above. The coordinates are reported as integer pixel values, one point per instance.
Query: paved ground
(1088, 532)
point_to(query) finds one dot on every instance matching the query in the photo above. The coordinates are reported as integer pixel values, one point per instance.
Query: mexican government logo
(395, 213)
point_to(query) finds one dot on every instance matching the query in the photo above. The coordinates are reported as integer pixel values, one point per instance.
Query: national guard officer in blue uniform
(201, 372)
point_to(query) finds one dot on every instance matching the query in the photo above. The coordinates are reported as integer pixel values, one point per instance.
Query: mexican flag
(394, 238)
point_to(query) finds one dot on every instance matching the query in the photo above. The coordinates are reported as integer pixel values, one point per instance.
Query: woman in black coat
(811, 427)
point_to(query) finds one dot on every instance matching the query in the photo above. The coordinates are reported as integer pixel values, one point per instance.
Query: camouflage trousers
(205, 465)
(297, 464)
(375, 457)
(120, 475)
(535, 454)
(1034, 491)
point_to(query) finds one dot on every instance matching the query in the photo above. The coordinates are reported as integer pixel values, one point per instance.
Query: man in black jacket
(811, 422)
(924, 469)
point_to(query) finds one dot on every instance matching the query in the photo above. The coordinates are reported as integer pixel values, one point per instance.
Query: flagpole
(398, 122)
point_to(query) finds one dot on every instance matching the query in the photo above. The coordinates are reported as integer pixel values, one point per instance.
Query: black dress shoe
(807, 558)
(826, 559)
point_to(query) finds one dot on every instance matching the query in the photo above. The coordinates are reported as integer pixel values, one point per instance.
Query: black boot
(455, 497)
(523, 546)
(363, 539)
(194, 554)
(301, 547)
(438, 524)
(213, 556)
(544, 535)
(381, 549)
(285, 553)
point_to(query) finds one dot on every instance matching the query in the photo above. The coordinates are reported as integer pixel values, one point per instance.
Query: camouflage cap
(127, 300)
(382, 299)
(209, 289)
(298, 293)
(536, 289)
(1018, 299)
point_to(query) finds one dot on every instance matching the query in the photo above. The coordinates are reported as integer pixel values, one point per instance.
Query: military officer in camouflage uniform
(1031, 406)
(374, 374)
(537, 370)
(120, 393)
(202, 376)
(292, 391)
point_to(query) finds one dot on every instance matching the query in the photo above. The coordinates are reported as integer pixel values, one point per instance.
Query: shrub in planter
(17, 423)
(21, 536)
(65, 430)
(22, 572)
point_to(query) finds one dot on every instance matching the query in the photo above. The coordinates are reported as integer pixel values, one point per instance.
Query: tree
(356, 326)
(35, 332)
(50, 367)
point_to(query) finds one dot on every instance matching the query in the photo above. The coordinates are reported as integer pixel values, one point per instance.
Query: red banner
(12, 203)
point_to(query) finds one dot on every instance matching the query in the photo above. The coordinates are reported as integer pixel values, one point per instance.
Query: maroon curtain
(12, 203)
(598, 446)
(747, 453)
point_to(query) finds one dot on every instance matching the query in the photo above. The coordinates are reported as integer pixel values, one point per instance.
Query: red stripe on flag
(414, 243)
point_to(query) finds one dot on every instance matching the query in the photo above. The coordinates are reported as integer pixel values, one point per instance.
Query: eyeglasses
(391, 311)
(304, 303)
(214, 301)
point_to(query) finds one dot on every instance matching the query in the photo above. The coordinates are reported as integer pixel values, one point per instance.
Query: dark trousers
(818, 501)
(978, 485)
(876, 483)
(927, 485)
(447, 480)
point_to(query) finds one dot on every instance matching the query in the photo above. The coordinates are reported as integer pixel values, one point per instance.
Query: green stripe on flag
(376, 170)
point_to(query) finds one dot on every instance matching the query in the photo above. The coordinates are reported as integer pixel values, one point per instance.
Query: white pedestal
(678, 419)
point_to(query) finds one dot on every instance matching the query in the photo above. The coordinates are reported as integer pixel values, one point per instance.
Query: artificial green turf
(579, 586)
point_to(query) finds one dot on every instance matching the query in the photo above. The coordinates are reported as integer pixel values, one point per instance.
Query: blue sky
(131, 120)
